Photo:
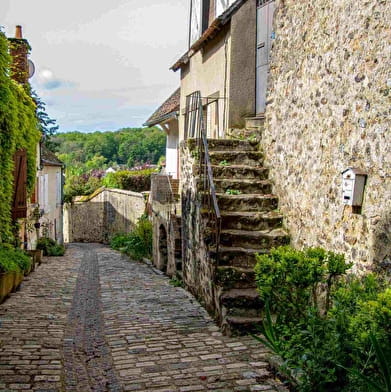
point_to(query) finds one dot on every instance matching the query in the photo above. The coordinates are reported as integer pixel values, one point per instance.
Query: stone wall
(166, 222)
(198, 268)
(98, 218)
(329, 109)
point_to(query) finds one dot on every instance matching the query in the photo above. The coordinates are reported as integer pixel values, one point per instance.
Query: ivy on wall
(18, 130)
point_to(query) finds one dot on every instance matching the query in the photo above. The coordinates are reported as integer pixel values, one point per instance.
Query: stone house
(289, 95)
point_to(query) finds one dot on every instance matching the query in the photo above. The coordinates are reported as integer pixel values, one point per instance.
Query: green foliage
(12, 259)
(224, 163)
(128, 146)
(325, 320)
(19, 129)
(85, 154)
(80, 186)
(383, 361)
(47, 125)
(233, 192)
(291, 279)
(138, 243)
(50, 247)
(131, 180)
(176, 282)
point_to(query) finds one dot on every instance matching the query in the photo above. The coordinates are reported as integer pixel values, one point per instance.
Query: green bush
(138, 243)
(130, 180)
(50, 247)
(324, 319)
(119, 241)
(13, 259)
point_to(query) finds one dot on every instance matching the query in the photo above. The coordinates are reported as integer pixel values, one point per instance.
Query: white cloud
(105, 60)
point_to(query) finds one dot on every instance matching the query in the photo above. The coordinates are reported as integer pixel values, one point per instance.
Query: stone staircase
(251, 224)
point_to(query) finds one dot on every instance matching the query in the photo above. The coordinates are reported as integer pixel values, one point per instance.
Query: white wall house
(50, 195)
(166, 116)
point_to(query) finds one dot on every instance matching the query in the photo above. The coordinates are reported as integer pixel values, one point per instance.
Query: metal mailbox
(353, 183)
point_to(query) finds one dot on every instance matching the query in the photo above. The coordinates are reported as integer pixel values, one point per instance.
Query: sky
(101, 64)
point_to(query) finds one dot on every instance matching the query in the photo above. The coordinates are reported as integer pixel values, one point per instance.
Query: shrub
(119, 241)
(138, 243)
(130, 180)
(50, 247)
(13, 259)
(324, 319)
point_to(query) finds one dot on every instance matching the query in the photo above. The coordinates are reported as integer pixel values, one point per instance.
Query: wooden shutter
(19, 205)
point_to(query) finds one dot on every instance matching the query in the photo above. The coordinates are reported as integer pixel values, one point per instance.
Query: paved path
(95, 321)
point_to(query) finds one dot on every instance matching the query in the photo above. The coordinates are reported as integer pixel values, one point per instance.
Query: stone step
(239, 172)
(250, 220)
(247, 202)
(250, 158)
(243, 185)
(255, 123)
(241, 325)
(232, 144)
(246, 299)
(229, 277)
(236, 256)
(254, 239)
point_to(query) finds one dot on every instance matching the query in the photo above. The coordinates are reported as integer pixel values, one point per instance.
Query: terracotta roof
(49, 158)
(209, 33)
(168, 109)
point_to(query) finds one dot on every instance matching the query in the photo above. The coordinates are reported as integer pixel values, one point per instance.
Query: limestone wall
(330, 108)
(97, 219)
(198, 268)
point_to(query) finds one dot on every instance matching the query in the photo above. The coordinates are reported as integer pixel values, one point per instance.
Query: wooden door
(265, 12)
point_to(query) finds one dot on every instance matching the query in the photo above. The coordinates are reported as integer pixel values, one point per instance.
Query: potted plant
(8, 271)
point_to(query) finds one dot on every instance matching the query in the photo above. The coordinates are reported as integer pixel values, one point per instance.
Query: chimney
(19, 49)
(18, 32)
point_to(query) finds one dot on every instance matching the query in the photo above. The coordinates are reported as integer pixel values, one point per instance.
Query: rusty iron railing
(195, 128)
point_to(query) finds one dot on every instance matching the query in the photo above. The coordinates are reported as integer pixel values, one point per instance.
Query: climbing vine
(18, 130)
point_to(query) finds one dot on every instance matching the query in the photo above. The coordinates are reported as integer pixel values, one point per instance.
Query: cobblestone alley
(95, 321)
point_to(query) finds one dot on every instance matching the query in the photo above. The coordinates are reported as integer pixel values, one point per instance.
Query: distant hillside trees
(129, 147)
(87, 155)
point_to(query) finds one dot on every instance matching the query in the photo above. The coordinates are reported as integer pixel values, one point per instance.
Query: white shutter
(222, 5)
(58, 187)
(195, 20)
(46, 192)
(41, 194)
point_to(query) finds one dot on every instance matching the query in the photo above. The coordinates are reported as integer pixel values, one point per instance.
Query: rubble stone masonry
(329, 107)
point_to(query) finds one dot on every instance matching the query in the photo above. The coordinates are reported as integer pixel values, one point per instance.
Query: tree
(47, 125)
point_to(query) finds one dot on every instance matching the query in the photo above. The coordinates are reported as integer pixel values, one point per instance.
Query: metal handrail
(195, 127)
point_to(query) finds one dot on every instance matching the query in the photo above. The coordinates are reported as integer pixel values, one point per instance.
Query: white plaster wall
(208, 71)
(52, 217)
